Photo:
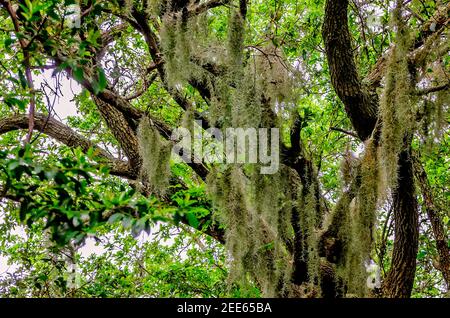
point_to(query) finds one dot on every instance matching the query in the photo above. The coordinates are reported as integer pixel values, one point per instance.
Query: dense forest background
(93, 204)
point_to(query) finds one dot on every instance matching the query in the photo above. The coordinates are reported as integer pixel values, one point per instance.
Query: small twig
(26, 61)
(433, 89)
(139, 93)
(345, 132)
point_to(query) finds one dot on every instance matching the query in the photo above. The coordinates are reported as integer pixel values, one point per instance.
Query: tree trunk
(400, 279)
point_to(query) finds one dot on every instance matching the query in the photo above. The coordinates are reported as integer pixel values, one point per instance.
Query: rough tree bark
(400, 279)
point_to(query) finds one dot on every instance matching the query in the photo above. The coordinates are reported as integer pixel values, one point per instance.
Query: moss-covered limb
(333, 241)
(307, 196)
(439, 21)
(363, 210)
(300, 271)
(155, 153)
(421, 42)
(334, 245)
(310, 225)
(307, 214)
(346, 241)
(397, 104)
(214, 68)
(140, 22)
(255, 235)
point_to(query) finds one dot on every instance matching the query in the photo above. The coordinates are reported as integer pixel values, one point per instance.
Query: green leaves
(78, 74)
(192, 220)
(15, 102)
(31, 9)
(98, 84)
(101, 83)
(191, 205)
(23, 81)
(67, 197)
(8, 42)
(115, 218)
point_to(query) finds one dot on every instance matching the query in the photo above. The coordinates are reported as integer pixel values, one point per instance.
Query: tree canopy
(355, 95)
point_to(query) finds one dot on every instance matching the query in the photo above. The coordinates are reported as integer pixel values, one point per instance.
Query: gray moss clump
(273, 73)
(155, 153)
(362, 218)
(256, 216)
(181, 54)
(256, 210)
(351, 225)
(235, 49)
(397, 104)
(175, 50)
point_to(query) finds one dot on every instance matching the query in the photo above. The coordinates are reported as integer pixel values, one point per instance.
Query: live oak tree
(364, 83)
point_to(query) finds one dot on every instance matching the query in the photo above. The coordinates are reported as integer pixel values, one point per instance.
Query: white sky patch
(91, 247)
(5, 268)
(64, 105)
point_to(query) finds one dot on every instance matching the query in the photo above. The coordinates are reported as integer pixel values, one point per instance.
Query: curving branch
(433, 89)
(194, 10)
(65, 135)
(360, 106)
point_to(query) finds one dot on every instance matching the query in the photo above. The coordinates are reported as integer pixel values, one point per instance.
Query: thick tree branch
(194, 10)
(65, 135)
(433, 89)
(124, 134)
(360, 106)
